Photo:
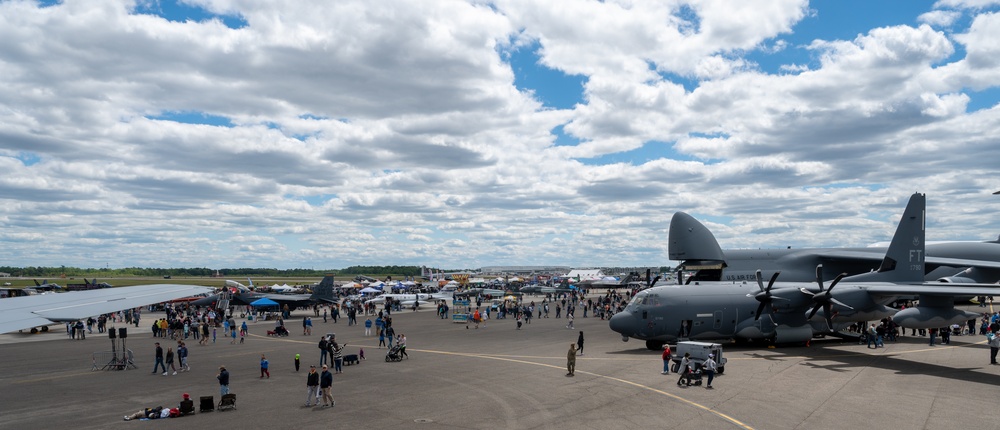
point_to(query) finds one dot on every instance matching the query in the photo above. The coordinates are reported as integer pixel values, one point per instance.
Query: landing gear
(654, 345)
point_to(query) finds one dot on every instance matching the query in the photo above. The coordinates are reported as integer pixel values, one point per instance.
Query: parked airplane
(693, 244)
(796, 312)
(46, 285)
(19, 313)
(407, 300)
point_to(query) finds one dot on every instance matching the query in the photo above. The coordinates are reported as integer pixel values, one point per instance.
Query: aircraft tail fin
(39, 285)
(251, 283)
(904, 259)
(323, 292)
(689, 239)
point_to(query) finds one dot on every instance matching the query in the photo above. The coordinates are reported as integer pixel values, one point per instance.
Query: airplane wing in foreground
(18, 313)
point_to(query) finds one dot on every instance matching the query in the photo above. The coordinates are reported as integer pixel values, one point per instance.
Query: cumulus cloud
(323, 135)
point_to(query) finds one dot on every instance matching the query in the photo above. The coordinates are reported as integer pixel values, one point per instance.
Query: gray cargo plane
(786, 312)
(695, 246)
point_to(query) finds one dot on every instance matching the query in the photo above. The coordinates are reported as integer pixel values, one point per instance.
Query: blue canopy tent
(263, 302)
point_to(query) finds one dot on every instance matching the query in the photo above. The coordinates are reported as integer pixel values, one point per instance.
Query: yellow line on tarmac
(634, 384)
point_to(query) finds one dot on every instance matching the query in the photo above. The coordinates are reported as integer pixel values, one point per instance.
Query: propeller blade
(813, 312)
(829, 316)
(759, 310)
(837, 280)
(819, 276)
(840, 303)
(806, 292)
(760, 282)
(770, 283)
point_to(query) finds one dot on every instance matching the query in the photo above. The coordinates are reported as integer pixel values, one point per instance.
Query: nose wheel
(624, 338)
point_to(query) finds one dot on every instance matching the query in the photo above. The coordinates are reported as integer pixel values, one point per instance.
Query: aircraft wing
(961, 262)
(18, 313)
(936, 289)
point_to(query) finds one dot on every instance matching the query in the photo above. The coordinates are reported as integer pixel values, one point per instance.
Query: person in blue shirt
(263, 367)
(368, 327)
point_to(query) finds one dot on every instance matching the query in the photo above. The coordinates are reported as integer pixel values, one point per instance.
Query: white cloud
(395, 134)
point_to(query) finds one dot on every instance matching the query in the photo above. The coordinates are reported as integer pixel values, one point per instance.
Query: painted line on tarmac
(634, 384)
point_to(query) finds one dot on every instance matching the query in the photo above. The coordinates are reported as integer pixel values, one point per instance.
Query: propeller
(764, 296)
(824, 298)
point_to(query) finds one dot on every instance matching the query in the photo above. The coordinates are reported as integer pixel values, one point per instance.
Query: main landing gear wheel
(654, 345)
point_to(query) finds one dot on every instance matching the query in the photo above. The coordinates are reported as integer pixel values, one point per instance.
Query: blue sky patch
(182, 12)
(649, 151)
(563, 138)
(190, 117)
(553, 88)
(28, 158)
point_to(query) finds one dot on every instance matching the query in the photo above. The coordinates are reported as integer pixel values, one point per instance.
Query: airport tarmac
(497, 377)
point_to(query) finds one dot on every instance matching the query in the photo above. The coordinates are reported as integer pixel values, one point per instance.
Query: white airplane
(19, 313)
(407, 300)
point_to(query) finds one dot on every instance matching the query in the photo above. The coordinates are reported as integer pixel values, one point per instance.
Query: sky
(460, 134)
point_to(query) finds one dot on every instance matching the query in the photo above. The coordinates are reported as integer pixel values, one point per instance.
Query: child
(296, 362)
(263, 367)
(213, 335)
(361, 353)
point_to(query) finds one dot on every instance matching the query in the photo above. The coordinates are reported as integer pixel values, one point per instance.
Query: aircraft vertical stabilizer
(904, 259)
(324, 290)
(691, 240)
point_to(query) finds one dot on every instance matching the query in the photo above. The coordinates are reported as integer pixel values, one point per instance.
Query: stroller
(278, 331)
(393, 354)
(690, 377)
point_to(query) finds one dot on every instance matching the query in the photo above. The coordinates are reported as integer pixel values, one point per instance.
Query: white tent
(368, 290)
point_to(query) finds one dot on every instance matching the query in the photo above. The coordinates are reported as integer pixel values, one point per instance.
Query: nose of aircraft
(623, 323)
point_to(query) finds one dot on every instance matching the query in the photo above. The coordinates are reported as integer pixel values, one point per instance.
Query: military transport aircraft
(18, 313)
(693, 244)
(786, 312)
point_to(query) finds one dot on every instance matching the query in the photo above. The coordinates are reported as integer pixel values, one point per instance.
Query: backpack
(322, 344)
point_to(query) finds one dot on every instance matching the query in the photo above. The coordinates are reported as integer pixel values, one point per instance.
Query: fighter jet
(693, 244)
(796, 312)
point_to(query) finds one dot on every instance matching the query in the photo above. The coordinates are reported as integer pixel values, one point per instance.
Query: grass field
(139, 280)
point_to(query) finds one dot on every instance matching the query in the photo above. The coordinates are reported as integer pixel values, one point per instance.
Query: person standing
(571, 359)
(368, 327)
(686, 370)
(381, 339)
(263, 367)
(159, 360)
(710, 367)
(326, 386)
(338, 356)
(993, 339)
(182, 355)
(579, 342)
(223, 378)
(297, 362)
(312, 386)
(666, 360)
(323, 344)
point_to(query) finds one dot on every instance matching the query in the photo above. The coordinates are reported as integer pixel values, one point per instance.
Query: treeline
(381, 270)
(56, 272)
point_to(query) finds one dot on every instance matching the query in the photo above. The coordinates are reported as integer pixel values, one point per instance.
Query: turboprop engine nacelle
(927, 317)
(956, 280)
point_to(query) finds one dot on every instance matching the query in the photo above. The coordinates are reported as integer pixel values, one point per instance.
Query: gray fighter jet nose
(623, 323)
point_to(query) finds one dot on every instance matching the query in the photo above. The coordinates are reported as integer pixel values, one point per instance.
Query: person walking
(381, 339)
(571, 360)
(326, 386)
(170, 362)
(569, 320)
(323, 344)
(159, 360)
(297, 362)
(312, 386)
(223, 378)
(579, 343)
(686, 370)
(710, 367)
(263, 367)
(666, 360)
